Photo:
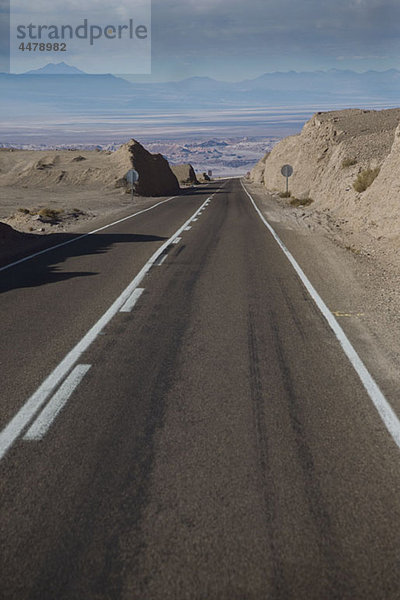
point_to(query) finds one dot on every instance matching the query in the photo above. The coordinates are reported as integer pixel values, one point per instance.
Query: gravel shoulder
(357, 276)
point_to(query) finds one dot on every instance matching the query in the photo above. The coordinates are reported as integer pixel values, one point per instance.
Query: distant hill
(65, 87)
(60, 68)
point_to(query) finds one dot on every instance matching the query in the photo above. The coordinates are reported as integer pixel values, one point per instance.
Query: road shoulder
(360, 288)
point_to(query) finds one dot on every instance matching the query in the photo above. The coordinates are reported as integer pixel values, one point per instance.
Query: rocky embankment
(346, 164)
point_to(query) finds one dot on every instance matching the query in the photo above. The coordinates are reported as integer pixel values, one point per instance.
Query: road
(210, 441)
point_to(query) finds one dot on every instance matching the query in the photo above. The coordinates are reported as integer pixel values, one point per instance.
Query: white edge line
(50, 412)
(130, 303)
(18, 423)
(84, 235)
(383, 407)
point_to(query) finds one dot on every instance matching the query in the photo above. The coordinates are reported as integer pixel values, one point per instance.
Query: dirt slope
(328, 155)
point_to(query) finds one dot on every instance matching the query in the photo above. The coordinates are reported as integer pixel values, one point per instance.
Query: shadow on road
(208, 190)
(48, 267)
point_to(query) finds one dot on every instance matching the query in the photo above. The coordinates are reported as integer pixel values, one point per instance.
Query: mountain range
(76, 92)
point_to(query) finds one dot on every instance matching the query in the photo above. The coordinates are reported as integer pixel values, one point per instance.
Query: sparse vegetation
(301, 201)
(353, 249)
(349, 162)
(50, 214)
(365, 178)
(285, 194)
(24, 211)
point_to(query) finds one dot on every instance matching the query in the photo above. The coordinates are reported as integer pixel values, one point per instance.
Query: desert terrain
(44, 191)
(232, 308)
(60, 191)
(344, 205)
(345, 179)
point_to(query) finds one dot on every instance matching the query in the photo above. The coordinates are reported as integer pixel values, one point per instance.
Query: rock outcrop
(88, 169)
(257, 174)
(329, 154)
(185, 174)
(155, 175)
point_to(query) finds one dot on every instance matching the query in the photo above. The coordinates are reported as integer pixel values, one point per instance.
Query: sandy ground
(79, 185)
(85, 204)
(357, 275)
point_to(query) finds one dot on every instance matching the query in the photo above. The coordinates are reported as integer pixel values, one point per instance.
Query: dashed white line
(130, 303)
(42, 424)
(21, 420)
(187, 228)
(175, 242)
(387, 414)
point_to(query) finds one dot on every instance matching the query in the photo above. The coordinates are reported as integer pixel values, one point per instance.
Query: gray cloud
(267, 30)
(235, 38)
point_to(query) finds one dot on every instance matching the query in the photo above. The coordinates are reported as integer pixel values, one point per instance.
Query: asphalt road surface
(180, 422)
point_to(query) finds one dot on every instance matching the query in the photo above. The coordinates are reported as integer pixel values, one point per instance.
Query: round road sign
(287, 170)
(132, 176)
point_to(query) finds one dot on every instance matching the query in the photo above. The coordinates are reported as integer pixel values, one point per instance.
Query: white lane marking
(80, 237)
(195, 220)
(18, 423)
(130, 303)
(175, 242)
(84, 235)
(44, 421)
(187, 228)
(160, 260)
(383, 407)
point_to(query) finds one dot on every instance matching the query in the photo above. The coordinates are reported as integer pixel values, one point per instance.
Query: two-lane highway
(179, 420)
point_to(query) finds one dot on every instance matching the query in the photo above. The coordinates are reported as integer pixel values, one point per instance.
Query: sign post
(132, 178)
(287, 171)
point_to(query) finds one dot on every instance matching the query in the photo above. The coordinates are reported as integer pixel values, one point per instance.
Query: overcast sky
(232, 39)
(236, 39)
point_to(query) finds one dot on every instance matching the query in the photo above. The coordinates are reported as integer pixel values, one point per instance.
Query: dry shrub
(365, 178)
(301, 201)
(349, 162)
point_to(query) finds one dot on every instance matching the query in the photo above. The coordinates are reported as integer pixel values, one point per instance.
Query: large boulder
(185, 174)
(155, 175)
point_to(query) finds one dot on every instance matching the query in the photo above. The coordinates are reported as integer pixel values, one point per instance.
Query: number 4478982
(43, 47)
